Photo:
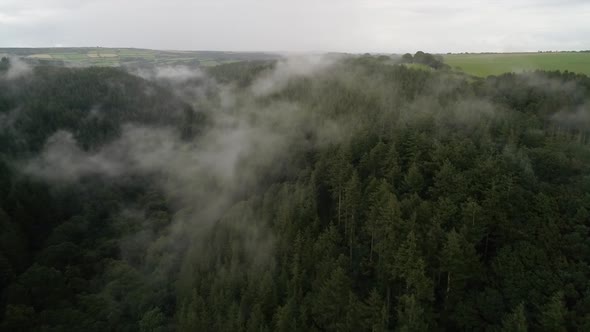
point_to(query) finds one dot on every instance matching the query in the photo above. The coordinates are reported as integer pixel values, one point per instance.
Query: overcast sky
(300, 25)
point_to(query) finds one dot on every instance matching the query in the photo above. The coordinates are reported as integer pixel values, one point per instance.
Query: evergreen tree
(515, 321)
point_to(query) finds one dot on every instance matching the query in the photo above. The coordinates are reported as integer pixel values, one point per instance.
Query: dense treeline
(427, 59)
(90, 102)
(440, 202)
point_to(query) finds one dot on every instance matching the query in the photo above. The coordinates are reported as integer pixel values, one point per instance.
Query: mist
(246, 141)
(325, 192)
(17, 68)
(297, 66)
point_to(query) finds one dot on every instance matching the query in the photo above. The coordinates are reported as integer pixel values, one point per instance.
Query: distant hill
(113, 57)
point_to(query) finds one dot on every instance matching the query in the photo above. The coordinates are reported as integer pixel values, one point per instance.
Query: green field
(495, 64)
(99, 56)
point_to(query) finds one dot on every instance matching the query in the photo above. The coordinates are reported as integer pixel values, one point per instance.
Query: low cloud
(63, 160)
(247, 140)
(577, 119)
(174, 74)
(292, 67)
(17, 68)
(8, 119)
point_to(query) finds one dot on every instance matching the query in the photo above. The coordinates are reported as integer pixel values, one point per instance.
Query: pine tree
(330, 304)
(410, 315)
(410, 267)
(340, 170)
(376, 316)
(414, 181)
(515, 321)
(152, 321)
(553, 314)
(286, 317)
(384, 225)
(352, 207)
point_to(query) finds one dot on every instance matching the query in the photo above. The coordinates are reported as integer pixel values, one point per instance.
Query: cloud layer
(349, 26)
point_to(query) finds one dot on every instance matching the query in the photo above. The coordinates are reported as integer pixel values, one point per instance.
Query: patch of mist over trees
(4, 64)
(394, 199)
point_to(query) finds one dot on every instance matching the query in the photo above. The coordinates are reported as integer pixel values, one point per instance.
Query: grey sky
(299, 25)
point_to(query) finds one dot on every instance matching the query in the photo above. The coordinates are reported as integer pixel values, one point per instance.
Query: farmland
(114, 57)
(498, 63)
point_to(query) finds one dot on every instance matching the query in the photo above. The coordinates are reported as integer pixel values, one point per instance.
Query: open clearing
(495, 64)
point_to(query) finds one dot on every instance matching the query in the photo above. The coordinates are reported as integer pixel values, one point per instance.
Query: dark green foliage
(407, 58)
(427, 59)
(515, 321)
(92, 103)
(241, 73)
(443, 203)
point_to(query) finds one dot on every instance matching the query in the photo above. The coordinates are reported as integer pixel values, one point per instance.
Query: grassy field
(99, 56)
(495, 64)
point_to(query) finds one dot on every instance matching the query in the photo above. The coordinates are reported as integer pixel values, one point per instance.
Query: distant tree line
(427, 59)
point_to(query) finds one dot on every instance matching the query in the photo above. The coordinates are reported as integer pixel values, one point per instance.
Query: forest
(321, 193)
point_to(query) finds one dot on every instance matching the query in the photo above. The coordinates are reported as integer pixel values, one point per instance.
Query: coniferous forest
(308, 194)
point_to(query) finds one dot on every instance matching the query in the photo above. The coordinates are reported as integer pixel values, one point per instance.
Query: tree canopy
(403, 200)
